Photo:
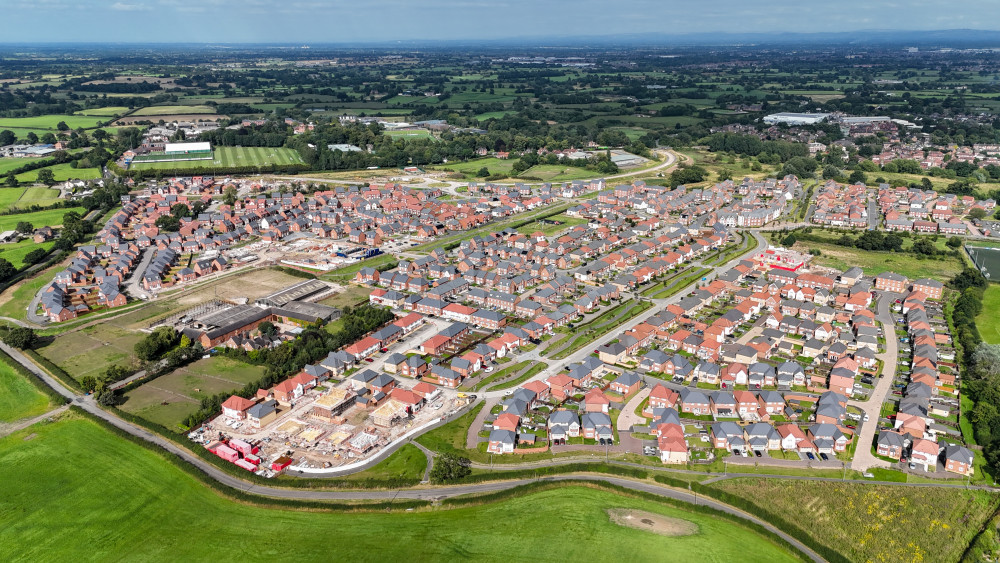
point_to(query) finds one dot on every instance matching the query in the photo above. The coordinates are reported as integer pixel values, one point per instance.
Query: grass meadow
(140, 507)
(226, 157)
(18, 397)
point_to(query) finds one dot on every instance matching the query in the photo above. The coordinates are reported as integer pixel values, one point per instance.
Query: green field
(38, 196)
(408, 462)
(48, 122)
(169, 399)
(558, 173)
(470, 168)
(91, 350)
(140, 507)
(61, 173)
(109, 111)
(49, 217)
(988, 321)
(227, 157)
(561, 223)
(173, 110)
(874, 263)
(18, 397)
(417, 134)
(15, 252)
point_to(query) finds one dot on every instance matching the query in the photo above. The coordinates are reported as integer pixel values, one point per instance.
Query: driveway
(627, 419)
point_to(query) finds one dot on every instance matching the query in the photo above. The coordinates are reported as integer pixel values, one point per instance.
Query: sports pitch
(229, 157)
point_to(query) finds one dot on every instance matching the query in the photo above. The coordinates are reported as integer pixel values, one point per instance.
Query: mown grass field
(138, 506)
(15, 252)
(18, 397)
(173, 110)
(988, 321)
(49, 122)
(226, 157)
(50, 217)
(109, 111)
(875, 522)
(408, 462)
(417, 134)
(470, 168)
(61, 173)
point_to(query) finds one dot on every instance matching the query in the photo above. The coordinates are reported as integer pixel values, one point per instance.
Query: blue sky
(334, 21)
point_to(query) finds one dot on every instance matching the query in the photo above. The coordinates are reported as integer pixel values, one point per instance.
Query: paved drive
(863, 457)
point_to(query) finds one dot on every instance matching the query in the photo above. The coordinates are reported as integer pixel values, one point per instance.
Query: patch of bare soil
(655, 523)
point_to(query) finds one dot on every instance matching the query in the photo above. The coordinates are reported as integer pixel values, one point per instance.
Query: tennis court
(987, 260)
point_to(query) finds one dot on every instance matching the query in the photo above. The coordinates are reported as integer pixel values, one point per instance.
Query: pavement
(864, 459)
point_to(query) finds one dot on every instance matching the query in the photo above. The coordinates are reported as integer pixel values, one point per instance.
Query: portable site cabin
(245, 464)
(252, 459)
(242, 447)
(227, 453)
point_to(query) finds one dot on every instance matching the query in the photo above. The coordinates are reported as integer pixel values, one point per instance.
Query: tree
(24, 227)
(168, 223)
(986, 358)
(35, 256)
(11, 181)
(830, 171)
(483, 172)
(88, 382)
(45, 176)
(156, 343)
(62, 126)
(7, 137)
(448, 467)
(977, 213)
(32, 137)
(925, 247)
(267, 328)
(857, 177)
(229, 196)
(20, 337)
(7, 270)
(954, 242)
(180, 210)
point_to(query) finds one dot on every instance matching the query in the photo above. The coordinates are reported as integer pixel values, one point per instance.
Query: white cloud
(123, 7)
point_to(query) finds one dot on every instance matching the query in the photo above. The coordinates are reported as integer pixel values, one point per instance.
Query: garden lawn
(138, 506)
(867, 522)
(18, 397)
(988, 321)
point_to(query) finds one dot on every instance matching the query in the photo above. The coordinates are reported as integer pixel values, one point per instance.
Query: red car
(384, 350)
(369, 360)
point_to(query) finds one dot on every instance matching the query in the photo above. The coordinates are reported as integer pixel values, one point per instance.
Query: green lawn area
(91, 350)
(38, 196)
(143, 508)
(558, 173)
(867, 522)
(988, 321)
(173, 110)
(408, 462)
(351, 296)
(48, 122)
(227, 157)
(552, 225)
(50, 217)
(15, 252)
(61, 173)
(874, 263)
(18, 397)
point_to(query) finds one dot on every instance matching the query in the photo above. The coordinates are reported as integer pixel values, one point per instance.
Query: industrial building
(298, 292)
(795, 118)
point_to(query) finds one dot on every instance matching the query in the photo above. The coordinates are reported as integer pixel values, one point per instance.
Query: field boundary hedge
(39, 384)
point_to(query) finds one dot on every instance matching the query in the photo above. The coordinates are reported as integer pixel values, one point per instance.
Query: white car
(488, 369)
(508, 393)
(866, 417)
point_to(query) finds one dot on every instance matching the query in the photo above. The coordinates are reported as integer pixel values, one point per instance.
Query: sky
(388, 21)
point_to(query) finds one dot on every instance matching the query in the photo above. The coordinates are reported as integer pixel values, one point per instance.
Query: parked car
(757, 453)
(823, 456)
(810, 455)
